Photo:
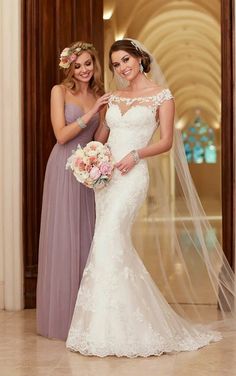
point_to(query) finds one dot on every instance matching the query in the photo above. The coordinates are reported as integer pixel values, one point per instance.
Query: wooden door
(227, 123)
(47, 27)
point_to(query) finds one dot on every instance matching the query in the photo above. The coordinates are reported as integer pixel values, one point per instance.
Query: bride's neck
(139, 83)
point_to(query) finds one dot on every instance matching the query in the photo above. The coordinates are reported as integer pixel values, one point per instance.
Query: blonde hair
(95, 83)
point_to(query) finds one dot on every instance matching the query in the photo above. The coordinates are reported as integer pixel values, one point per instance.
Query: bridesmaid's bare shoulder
(59, 89)
(58, 93)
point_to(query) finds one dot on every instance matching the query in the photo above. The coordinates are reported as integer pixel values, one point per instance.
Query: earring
(141, 67)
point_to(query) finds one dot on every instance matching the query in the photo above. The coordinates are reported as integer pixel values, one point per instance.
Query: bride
(119, 309)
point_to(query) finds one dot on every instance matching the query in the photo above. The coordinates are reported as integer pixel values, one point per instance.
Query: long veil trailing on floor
(191, 250)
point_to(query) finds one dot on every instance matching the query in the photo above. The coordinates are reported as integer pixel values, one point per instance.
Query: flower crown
(70, 54)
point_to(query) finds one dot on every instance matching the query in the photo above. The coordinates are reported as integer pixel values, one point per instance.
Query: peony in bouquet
(92, 165)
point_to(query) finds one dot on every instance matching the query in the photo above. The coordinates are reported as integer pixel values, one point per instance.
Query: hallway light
(107, 14)
(180, 124)
(119, 36)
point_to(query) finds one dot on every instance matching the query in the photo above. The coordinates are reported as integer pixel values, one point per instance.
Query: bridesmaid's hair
(132, 49)
(95, 83)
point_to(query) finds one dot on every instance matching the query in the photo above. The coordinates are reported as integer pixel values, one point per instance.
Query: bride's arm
(166, 119)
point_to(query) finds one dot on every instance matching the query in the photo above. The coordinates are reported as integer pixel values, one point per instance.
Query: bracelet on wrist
(135, 156)
(81, 123)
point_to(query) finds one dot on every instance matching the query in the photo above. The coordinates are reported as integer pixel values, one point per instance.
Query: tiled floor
(23, 353)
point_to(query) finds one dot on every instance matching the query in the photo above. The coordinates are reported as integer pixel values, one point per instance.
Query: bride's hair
(70, 82)
(131, 48)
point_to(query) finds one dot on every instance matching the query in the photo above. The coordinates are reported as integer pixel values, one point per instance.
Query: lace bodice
(132, 121)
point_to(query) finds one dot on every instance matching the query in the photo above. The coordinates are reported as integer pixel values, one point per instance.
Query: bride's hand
(100, 103)
(125, 164)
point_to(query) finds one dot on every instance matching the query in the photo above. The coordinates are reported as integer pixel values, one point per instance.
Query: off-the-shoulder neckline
(141, 97)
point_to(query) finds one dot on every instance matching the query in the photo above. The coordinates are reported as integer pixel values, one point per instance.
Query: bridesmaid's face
(125, 65)
(84, 67)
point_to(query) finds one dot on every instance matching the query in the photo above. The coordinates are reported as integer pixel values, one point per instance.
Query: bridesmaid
(68, 211)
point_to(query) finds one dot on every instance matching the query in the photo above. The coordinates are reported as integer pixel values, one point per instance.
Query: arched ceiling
(184, 36)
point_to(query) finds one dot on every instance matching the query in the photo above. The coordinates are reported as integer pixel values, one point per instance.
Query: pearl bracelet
(81, 123)
(135, 156)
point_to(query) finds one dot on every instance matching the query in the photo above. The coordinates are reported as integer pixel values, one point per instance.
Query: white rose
(82, 176)
(65, 52)
(79, 153)
(85, 160)
(91, 153)
(103, 158)
(94, 143)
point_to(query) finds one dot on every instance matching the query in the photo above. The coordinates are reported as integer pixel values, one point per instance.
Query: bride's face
(84, 67)
(125, 65)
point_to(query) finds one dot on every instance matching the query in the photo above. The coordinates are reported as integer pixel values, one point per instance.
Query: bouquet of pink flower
(92, 165)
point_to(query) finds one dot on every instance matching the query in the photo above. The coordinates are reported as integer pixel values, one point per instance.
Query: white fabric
(192, 238)
(119, 309)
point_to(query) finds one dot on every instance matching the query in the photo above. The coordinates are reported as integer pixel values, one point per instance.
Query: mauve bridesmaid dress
(67, 226)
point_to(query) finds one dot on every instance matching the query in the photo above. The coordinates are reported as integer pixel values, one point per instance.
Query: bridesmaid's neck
(84, 88)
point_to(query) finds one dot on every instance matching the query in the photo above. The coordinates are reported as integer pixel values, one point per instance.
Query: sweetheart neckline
(78, 106)
(74, 104)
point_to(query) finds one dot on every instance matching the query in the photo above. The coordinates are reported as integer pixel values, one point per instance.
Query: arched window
(199, 142)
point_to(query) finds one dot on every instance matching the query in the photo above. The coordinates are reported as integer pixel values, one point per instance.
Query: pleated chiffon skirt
(67, 226)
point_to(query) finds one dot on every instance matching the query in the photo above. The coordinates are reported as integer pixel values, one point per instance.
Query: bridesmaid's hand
(100, 103)
(125, 164)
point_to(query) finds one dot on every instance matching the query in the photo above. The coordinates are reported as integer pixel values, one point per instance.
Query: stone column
(11, 257)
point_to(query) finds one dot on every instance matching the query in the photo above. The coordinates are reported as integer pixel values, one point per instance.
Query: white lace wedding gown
(119, 309)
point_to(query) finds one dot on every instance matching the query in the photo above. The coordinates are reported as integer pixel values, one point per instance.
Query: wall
(234, 127)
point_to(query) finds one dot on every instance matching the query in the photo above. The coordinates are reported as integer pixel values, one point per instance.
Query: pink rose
(64, 60)
(73, 57)
(93, 160)
(80, 164)
(106, 168)
(95, 173)
(88, 167)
